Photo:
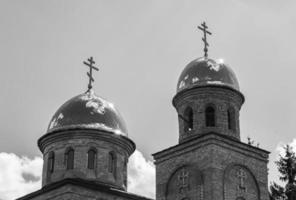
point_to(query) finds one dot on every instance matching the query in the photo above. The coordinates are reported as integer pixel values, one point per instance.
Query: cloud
(141, 175)
(18, 175)
(21, 175)
(280, 147)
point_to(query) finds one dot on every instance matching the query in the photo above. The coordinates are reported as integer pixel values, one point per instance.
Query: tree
(287, 168)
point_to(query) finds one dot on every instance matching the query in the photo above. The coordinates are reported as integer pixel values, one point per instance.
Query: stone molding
(207, 89)
(91, 185)
(54, 137)
(209, 139)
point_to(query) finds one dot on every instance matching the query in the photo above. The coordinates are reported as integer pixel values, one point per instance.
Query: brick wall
(81, 141)
(214, 156)
(198, 99)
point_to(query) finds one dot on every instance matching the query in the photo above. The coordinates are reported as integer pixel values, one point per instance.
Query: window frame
(51, 162)
(112, 163)
(231, 119)
(68, 161)
(188, 119)
(210, 116)
(92, 164)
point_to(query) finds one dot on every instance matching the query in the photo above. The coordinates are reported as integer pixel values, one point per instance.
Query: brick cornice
(208, 139)
(97, 186)
(206, 89)
(57, 136)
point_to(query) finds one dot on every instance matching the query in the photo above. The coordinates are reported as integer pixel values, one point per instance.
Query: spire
(203, 27)
(90, 62)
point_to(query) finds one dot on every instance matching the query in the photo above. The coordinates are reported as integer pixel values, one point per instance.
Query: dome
(88, 111)
(204, 72)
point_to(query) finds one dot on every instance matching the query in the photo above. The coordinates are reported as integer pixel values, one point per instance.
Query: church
(86, 147)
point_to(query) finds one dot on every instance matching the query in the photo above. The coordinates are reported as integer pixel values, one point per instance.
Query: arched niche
(240, 183)
(185, 183)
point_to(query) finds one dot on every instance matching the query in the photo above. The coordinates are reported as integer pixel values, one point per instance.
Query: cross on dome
(90, 64)
(203, 27)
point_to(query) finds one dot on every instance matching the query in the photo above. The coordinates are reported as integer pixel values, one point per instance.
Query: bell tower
(208, 100)
(210, 162)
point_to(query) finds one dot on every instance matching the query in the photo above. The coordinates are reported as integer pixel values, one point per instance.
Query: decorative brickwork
(78, 189)
(221, 99)
(213, 155)
(81, 141)
(185, 183)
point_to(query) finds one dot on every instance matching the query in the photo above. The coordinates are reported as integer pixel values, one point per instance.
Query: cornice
(199, 89)
(208, 139)
(96, 186)
(57, 136)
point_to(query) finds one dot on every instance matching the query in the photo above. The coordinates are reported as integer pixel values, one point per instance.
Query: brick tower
(210, 162)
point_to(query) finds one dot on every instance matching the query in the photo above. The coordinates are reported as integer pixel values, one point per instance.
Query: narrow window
(91, 158)
(188, 119)
(112, 163)
(231, 119)
(50, 162)
(210, 116)
(69, 158)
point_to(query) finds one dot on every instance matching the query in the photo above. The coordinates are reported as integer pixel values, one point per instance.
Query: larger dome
(205, 72)
(88, 111)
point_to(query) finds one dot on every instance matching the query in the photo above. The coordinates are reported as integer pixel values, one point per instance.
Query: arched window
(69, 158)
(231, 119)
(188, 119)
(112, 163)
(50, 162)
(91, 158)
(210, 116)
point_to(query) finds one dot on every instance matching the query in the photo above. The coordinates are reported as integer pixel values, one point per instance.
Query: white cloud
(18, 175)
(21, 175)
(141, 175)
(281, 145)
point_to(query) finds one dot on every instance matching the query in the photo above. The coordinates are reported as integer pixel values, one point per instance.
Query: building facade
(86, 147)
(210, 162)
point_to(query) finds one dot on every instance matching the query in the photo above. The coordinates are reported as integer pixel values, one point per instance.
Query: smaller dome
(88, 111)
(205, 72)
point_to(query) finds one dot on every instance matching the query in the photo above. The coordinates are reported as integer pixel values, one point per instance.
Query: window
(231, 119)
(69, 158)
(210, 116)
(50, 162)
(188, 119)
(91, 158)
(112, 163)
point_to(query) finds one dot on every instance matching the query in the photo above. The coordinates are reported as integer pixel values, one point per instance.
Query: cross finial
(90, 62)
(203, 27)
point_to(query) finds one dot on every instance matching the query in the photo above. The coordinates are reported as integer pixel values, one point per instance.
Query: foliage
(287, 168)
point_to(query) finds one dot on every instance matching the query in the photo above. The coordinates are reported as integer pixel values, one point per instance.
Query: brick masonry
(81, 141)
(216, 164)
(78, 189)
(209, 163)
(198, 99)
(214, 156)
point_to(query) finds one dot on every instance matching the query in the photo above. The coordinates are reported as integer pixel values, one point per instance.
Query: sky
(141, 48)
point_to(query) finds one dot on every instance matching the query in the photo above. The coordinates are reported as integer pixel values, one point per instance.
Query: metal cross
(241, 174)
(204, 28)
(90, 64)
(183, 179)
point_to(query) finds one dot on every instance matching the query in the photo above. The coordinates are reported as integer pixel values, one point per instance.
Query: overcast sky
(141, 47)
